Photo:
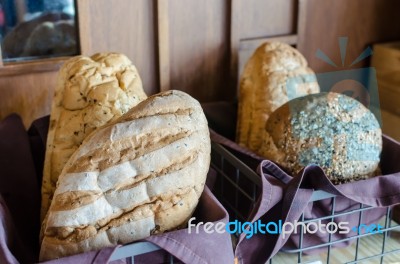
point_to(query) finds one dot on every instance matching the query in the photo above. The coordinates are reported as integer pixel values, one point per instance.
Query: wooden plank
(199, 48)
(28, 95)
(83, 20)
(301, 24)
(252, 44)
(260, 18)
(44, 65)
(391, 127)
(122, 26)
(389, 97)
(234, 40)
(163, 44)
(386, 59)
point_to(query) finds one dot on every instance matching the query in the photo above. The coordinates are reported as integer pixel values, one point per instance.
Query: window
(35, 29)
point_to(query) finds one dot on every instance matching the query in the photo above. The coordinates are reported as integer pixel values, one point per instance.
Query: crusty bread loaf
(264, 87)
(52, 38)
(331, 130)
(90, 92)
(140, 175)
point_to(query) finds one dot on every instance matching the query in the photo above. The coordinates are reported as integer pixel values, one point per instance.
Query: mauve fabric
(285, 198)
(203, 247)
(22, 157)
(93, 257)
(19, 187)
(9, 243)
(37, 137)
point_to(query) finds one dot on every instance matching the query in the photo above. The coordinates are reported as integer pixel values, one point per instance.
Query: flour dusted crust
(140, 175)
(331, 130)
(90, 92)
(263, 88)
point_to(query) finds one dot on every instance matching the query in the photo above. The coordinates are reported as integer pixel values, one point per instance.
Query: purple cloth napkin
(21, 158)
(93, 257)
(203, 247)
(19, 187)
(8, 241)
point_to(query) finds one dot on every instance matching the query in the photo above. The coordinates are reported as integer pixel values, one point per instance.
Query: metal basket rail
(130, 251)
(237, 188)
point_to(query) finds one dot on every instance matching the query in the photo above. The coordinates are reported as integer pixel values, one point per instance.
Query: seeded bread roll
(264, 87)
(90, 92)
(140, 175)
(331, 130)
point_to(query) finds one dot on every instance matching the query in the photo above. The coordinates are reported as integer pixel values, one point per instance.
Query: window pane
(33, 29)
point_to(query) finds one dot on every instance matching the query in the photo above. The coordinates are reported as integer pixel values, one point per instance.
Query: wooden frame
(301, 22)
(234, 41)
(43, 65)
(163, 44)
(82, 22)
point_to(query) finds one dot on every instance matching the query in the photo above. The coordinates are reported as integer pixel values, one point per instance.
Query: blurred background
(37, 28)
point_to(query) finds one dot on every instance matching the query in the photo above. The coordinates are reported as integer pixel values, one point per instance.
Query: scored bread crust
(90, 92)
(139, 175)
(264, 88)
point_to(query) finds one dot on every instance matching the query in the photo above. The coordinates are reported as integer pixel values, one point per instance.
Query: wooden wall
(194, 47)
(28, 94)
(27, 89)
(257, 21)
(201, 46)
(364, 22)
(128, 27)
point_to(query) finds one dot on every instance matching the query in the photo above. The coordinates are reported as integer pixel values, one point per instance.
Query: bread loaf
(140, 175)
(90, 92)
(52, 38)
(331, 130)
(264, 87)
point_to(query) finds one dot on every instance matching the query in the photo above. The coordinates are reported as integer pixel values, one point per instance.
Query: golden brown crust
(264, 88)
(139, 175)
(90, 92)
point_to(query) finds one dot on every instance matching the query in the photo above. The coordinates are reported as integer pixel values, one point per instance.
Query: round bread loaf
(331, 130)
(140, 175)
(266, 84)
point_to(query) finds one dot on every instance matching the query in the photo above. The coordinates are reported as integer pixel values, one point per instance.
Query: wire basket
(129, 252)
(237, 188)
